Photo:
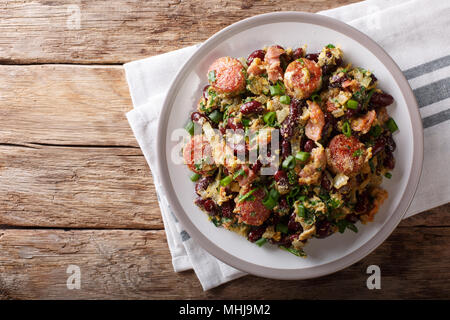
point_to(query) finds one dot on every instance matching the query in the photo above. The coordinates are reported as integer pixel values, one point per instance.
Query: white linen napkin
(414, 33)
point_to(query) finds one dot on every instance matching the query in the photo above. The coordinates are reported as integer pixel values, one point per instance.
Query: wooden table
(75, 188)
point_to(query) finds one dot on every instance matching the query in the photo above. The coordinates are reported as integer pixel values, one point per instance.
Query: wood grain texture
(61, 104)
(133, 264)
(66, 187)
(75, 188)
(41, 31)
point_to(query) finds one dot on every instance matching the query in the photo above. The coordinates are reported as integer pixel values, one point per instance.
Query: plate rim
(399, 211)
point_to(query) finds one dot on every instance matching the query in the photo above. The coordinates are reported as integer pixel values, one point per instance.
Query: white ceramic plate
(291, 29)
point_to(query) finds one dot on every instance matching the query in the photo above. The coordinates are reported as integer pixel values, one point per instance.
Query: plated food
(334, 137)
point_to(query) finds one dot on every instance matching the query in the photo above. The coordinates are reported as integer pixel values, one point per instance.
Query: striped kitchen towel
(415, 33)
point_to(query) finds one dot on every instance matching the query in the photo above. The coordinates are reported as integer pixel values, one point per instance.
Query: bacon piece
(272, 58)
(257, 67)
(316, 122)
(311, 173)
(364, 123)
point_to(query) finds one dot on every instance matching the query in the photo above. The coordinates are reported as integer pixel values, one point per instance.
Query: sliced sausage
(197, 155)
(229, 76)
(302, 78)
(252, 210)
(345, 155)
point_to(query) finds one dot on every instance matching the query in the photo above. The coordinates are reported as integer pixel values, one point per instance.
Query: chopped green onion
(392, 126)
(212, 76)
(277, 89)
(346, 130)
(269, 118)
(298, 253)
(288, 163)
(269, 203)
(190, 128)
(194, 177)
(245, 122)
(352, 104)
(240, 172)
(388, 175)
(281, 228)
(226, 181)
(245, 196)
(371, 165)
(301, 211)
(216, 116)
(261, 241)
(274, 194)
(375, 131)
(358, 153)
(315, 97)
(330, 46)
(302, 198)
(285, 99)
(302, 156)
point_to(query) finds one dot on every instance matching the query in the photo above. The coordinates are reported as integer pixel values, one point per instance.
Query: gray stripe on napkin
(433, 92)
(427, 67)
(184, 236)
(436, 118)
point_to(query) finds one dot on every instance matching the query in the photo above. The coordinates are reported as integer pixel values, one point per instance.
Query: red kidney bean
(337, 80)
(297, 53)
(273, 219)
(362, 206)
(288, 125)
(205, 92)
(353, 218)
(256, 167)
(227, 209)
(255, 54)
(251, 107)
(281, 178)
(330, 122)
(379, 145)
(329, 69)
(232, 123)
(256, 233)
(389, 161)
(283, 207)
(323, 229)
(374, 79)
(390, 143)
(285, 241)
(380, 99)
(207, 204)
(202, 184)
(196, 116)
(309, 145)
(285, 148)
(312, 56)
(293, 225)
(326, 183)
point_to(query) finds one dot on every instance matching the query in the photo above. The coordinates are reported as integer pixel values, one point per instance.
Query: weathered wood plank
(77, 188)
(136, 264)
(61, 104)
(41, 31)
